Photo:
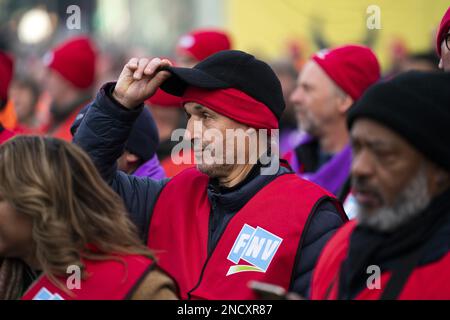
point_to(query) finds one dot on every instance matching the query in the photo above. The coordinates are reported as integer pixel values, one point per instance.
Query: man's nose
(362, 164)
(296, 96)
(193, 130)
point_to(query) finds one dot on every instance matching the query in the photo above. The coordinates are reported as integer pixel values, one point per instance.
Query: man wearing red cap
(200, 44)
(223, 224)
(443, 42)
(71, 75)
(6, 73)
(327, 87)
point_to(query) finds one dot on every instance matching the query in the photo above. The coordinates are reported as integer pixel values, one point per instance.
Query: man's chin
(211, 170)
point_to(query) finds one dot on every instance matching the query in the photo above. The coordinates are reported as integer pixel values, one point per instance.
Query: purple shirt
(151, 169)
(333, 174)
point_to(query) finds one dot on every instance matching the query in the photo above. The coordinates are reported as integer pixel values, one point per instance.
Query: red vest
(5, 135)
(106, 280)
(428, 282)
(260, 242)
(62, 131)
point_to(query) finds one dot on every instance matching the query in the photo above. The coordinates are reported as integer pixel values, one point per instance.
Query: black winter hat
(416, 105)
(230, 69)
(143, 140)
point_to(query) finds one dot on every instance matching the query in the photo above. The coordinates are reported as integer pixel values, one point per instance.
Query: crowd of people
(346, 194)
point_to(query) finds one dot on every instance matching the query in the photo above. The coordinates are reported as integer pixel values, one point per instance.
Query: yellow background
(264, 26)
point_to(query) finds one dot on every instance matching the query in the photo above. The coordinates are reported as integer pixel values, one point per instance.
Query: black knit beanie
(416, 105)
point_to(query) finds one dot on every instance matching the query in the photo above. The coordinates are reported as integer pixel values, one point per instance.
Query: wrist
(122, 100)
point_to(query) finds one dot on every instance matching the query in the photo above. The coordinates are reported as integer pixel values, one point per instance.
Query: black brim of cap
(181, 78)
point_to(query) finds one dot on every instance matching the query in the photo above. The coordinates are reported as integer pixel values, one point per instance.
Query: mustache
(199, 145)
(362, 185)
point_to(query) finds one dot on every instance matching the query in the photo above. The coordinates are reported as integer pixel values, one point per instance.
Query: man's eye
(206, 115)
(384, 154)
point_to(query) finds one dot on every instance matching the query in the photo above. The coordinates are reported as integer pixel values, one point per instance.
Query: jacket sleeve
(103, 134)
(324, 223)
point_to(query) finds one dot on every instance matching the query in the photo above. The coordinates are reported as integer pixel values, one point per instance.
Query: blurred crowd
(89, 175)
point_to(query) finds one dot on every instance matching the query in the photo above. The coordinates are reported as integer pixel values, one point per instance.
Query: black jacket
(103, 134)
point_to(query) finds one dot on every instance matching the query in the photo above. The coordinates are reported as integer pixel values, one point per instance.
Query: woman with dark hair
(58, 216)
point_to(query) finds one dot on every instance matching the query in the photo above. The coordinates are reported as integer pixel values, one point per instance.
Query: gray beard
(408, 204)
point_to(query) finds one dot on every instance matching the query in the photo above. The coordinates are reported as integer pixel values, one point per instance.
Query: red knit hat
(75, 61)
(443, 29)
(202, 43)
(353, 68)
(6, 74)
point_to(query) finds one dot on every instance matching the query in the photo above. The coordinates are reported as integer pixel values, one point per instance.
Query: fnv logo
(45, 294)
(256, 246)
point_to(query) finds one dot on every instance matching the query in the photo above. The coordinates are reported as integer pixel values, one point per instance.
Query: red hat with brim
(203, 43)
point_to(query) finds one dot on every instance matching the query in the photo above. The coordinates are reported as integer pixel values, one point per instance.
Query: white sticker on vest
(256, 246)
(45, 294)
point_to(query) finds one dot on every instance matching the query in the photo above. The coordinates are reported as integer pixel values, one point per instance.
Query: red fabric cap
(75, 60)
(202, 43)
(443, 29)
(6, 74)
(353, 68)
(235, 105)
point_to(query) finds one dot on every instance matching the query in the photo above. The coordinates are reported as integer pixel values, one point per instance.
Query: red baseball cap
(202, 43)
(353, 68)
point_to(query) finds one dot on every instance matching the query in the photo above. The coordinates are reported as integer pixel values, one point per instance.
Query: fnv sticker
(256, 246)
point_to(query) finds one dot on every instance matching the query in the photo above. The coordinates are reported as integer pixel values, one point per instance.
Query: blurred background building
(267, 28)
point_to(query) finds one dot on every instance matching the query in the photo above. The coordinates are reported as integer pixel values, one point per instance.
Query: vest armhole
(305, 230)
(131, 292)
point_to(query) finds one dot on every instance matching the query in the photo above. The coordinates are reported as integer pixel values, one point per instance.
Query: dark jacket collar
(234, 198)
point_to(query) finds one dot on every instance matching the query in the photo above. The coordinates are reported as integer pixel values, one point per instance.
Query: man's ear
(440, 178)
(345, 102)
(131, 157)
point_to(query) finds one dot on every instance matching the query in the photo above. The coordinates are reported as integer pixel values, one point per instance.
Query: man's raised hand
(139, 80)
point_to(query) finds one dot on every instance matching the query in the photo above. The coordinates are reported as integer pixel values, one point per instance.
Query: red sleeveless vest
(260, 242)
(106, 280)
(428, 282)
(5, 135)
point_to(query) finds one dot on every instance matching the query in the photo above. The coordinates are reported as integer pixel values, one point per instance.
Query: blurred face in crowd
(128, 162)
(59, 89)
(317, 100)
(391, 181)
(15, 231)
(207, 131)
(288, 85)
(167, 119)
(185, 60)
(445, 53)
(24, 101)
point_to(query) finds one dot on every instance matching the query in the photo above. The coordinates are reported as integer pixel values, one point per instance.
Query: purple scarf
(151, 169)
